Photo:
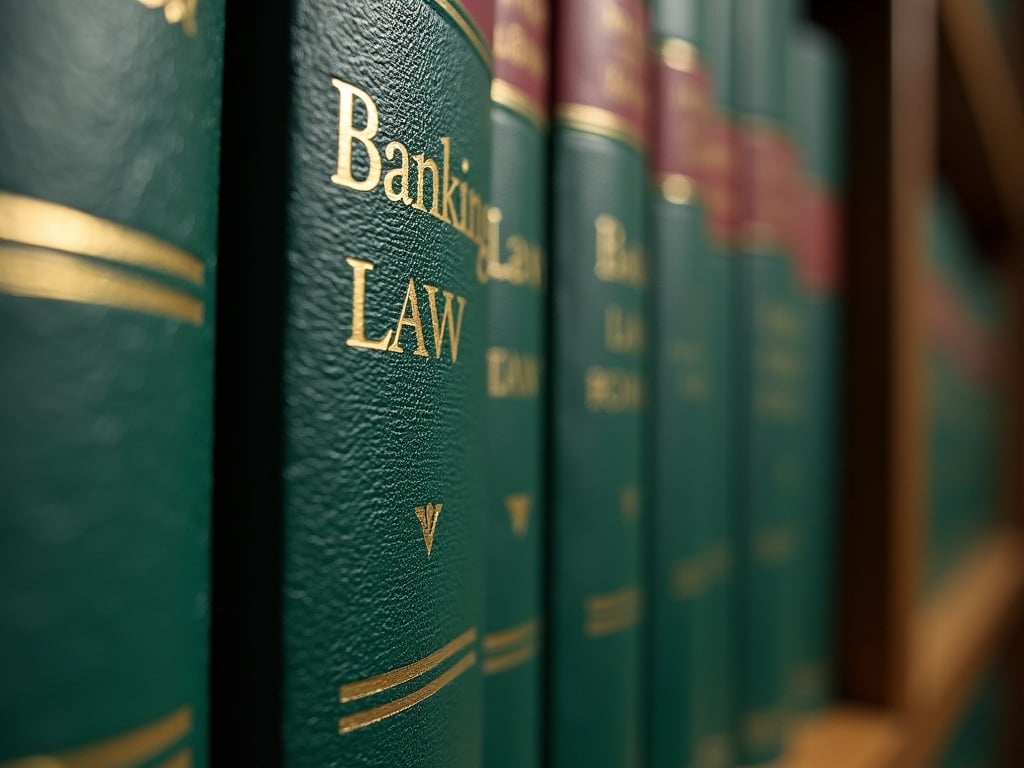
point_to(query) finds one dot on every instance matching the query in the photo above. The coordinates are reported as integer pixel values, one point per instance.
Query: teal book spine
(684, 473)
(377, 410)
(109, 141)
(515, 272)
(598, 388)
(772, 366)
(816, 99)
(718, 633)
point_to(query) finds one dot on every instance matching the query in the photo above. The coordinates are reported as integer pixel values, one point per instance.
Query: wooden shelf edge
(956, 633)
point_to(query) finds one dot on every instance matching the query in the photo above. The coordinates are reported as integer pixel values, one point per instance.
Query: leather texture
(110, 109)
(370, 435)
(773, 334)
(516, 454)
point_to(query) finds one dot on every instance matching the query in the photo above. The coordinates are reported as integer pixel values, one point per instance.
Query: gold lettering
(512, 374)
(617, 262)
(412, 320)
(613, 390)
(422, 166)
(348, 134)
(358, 336)
(401, 174)
(623, 330)
(448, 321)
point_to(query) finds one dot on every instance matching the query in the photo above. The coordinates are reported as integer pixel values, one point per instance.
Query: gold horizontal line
(121, 751)
(30, 221)
(502, 639)
(612, 600)
(678, 54)
(44, 274)
(599, 628)
(504, 661)
(371, 685)
(583, 117)
(182, 759)
(461, 17)
(376, 714)
(510, 97)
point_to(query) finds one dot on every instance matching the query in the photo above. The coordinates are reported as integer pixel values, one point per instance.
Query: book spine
(598, 388)
(515, 273)
(816, 98)
(772, 336)
(384, 385)
(719, 635)
(684, 475)
(108, 224)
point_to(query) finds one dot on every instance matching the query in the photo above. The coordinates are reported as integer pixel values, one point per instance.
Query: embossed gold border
(461, 16)
(45, 274)
(127, 749)
(584, 117)
(31, 221)
(382, 682)
(376, 714)
(515, 99)
(678, 54)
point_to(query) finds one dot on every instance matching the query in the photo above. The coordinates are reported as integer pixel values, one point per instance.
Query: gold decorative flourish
(583, 117)
(386, 680)
(45, 274)
(177, 12)
(130, 748)
(31, 221)
(518, 506)
(376, 714)
(510, 97)
(428, 515)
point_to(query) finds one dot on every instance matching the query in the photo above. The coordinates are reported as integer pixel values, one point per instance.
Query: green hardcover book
(718, 637)
(109, 136)
(816, 112)
(684, 472)
(772, 335)
(598, 389)
(383, 131)
(515, 273)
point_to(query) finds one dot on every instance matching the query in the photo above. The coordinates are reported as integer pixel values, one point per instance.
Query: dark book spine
(598, 389)
(684, 472)
(515, 273)
(718, 634)
(772, 337)
(110, 116)
(381, 370)
(816, 97)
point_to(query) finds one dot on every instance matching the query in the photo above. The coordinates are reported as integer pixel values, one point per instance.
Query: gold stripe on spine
(612, 612)
(41, 223)
(677, 54)
(503, 639)
(465, 22)
(126, 750)
(43, 274)
(386, 680)
(182, 759)
(500, 662)
(376, 714)
(677, 188)
(507, 95)
(584, 117)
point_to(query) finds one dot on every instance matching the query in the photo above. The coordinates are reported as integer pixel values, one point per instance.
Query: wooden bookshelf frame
(928, 86)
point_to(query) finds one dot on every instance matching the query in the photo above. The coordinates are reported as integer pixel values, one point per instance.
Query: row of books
(502, 374)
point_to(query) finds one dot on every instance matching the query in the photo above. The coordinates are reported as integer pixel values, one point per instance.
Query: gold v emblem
(518, 506)
(428, 522)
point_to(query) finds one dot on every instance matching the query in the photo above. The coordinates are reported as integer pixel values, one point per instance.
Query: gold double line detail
(611, 612)
(508, 648)
(42, 250)
(125, 751)
(379, 683)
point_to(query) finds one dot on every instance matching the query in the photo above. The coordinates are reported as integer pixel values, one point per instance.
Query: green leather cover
(816, 99)
(515, 272)
(771, 403)
(109, 137)
(598, 390)
(683, 473)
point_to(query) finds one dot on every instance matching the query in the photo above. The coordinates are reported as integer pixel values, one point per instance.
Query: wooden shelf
(956, 635)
